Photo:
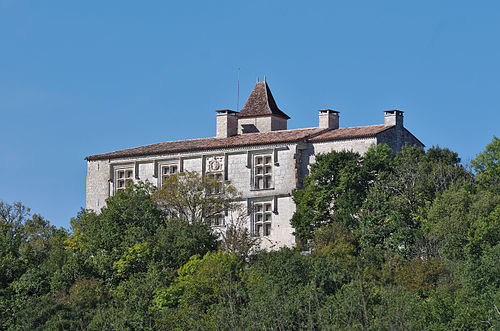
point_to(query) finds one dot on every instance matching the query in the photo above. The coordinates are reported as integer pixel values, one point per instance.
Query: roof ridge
(205, 138)
(249, 139)
(364, 126)
(355, 132)
(317, 133)
(296, 129)
(158, 143)
(174, 141)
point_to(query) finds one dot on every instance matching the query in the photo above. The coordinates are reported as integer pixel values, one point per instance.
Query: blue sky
(87, 77)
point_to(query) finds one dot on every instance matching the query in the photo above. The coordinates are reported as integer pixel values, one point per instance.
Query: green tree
(135, 259)
(12, 238)
(204, 285)
(177, 240)
(281, 294)
(130, 217)
(391, 216)
(129, 306)
(448, 222)
(478, 301)
(335, 189)
(30, 251)
(236, 237)
(484, 216)
(487, 166)
(191, 198)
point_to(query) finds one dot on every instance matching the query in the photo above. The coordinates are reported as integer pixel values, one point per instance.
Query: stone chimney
(393, 117)
(227, 123)
(328, 119)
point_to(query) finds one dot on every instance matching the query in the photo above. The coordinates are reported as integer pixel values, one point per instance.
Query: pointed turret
(260, 113)
(261, 103)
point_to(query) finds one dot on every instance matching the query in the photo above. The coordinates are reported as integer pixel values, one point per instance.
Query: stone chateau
(254, 150)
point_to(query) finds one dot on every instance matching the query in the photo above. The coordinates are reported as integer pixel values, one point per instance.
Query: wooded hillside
(404, 242)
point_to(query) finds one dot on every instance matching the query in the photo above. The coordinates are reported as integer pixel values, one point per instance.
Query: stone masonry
(254, 151)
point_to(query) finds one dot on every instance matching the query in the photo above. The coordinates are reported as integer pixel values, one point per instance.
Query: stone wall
(359, 145)
(226, 125)
(238, 170)
(396, 138)
(97, 184)
(278, 123)
(261, 124)
(291, 163)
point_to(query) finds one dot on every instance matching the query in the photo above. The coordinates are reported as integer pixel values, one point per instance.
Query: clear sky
(86, 77)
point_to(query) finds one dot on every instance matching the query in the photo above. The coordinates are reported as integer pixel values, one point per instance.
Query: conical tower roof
(261, 103)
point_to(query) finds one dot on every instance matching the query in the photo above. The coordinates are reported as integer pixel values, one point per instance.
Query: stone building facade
(254, 150)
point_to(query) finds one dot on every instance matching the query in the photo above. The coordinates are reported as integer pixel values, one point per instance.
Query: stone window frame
(214, 166)
(217, 171)
(162, 165)
(129, 171)
(262, 171)
(262, 217)
(218, 221)
(219, 189)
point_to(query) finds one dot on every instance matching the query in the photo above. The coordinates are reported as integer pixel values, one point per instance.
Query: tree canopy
(404, 242)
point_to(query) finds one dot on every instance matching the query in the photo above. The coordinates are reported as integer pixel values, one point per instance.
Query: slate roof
(261, 103)
(249, 139)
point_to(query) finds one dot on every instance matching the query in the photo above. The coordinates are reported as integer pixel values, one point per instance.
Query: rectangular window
(123, 178)
(262, 217)
(263, 172)
(168, 170)
(218, 221)
(218, 178)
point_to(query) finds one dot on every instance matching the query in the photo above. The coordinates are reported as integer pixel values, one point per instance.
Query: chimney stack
(227, 123)
(328, 119)
(393, 117)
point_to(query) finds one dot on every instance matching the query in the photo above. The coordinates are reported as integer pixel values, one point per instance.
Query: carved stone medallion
(215, 164)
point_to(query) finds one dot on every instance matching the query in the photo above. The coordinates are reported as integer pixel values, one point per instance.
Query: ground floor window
(262, 218)
(218, 221)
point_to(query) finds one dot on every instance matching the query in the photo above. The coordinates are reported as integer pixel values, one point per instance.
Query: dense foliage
(406, 242)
